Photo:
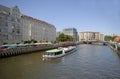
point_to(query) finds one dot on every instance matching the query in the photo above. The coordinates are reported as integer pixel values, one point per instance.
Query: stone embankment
(27, 49)
(115, 47)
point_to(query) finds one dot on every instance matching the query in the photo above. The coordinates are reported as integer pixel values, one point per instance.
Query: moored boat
(55, 53)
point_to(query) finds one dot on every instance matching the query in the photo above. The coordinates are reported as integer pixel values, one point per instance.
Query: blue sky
(85, 15)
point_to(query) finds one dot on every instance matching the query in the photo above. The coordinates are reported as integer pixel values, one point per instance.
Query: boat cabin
(53, 52)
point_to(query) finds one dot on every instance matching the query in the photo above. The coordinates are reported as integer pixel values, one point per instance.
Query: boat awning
(53, 51)
(10, 45)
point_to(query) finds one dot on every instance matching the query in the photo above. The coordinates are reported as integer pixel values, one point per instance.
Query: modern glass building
(71, 31)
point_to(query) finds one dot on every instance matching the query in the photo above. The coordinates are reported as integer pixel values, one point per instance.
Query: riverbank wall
(115, 48)
(27, 49)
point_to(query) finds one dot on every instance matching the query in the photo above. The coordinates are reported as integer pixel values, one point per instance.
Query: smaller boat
(2, 48)
(61, 51)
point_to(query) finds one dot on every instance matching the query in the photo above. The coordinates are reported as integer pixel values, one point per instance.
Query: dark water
(88, 62)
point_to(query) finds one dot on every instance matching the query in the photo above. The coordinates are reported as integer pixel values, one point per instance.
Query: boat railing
(60, 48)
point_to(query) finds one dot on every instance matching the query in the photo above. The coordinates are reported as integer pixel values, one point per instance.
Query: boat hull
(53, 56)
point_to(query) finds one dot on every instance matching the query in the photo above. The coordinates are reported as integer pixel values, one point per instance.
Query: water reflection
(53, 60)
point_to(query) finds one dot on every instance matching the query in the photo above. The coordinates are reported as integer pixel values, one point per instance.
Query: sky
(85, 15)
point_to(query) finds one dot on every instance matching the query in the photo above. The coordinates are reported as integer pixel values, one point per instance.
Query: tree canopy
(109, 38)
(62, 37)
(29, 41)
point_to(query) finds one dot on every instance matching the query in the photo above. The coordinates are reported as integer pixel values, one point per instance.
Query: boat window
(57, 53)
(52, 53)
(47, 53)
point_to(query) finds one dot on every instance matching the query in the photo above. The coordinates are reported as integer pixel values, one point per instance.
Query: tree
(33, 41)
(62, 37)
(29, 41)
(108, 38)
(69, 38)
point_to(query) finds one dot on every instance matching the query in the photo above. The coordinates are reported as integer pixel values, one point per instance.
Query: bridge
(94, 42)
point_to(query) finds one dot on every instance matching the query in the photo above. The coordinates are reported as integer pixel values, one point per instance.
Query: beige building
(10, 25)
(101, 37)
(90, 36)
(36, 29)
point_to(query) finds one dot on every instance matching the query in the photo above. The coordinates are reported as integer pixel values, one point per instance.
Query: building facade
(15, 27)
(91, 36)
(36, 29)
(10, 25)
(72, 32)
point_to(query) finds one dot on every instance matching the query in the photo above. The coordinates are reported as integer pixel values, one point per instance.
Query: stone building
(10, 25)
(15, 27)
(36, 29)
(90, 36)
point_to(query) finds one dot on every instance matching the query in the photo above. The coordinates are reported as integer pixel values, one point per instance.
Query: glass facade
(72, 32)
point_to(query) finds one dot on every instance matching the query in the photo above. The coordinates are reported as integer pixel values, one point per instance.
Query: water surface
(88, 62)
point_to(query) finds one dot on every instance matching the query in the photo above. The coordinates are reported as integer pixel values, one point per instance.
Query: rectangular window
(6, 24)
(18, 31)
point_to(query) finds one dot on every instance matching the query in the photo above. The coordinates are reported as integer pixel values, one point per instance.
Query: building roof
(89, 32)
(66, 29)
(36, 20)
(4, 9)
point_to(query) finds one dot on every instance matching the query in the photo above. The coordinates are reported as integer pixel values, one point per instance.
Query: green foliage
(29, 41)
(108, 38)
(5, 43)
(62, 37)
(17, 43)
(33, 41)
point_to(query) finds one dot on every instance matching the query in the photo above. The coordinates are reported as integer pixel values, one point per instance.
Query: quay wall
(115, 48)
(28, 49)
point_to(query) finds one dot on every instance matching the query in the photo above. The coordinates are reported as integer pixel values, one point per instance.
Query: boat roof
(53, 51)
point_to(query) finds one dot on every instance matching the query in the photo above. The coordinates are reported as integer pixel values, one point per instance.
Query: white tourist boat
(55, 53)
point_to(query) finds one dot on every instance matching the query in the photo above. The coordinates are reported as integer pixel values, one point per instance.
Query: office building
(72, 32)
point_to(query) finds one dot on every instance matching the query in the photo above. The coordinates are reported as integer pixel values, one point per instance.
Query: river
(88, 62)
